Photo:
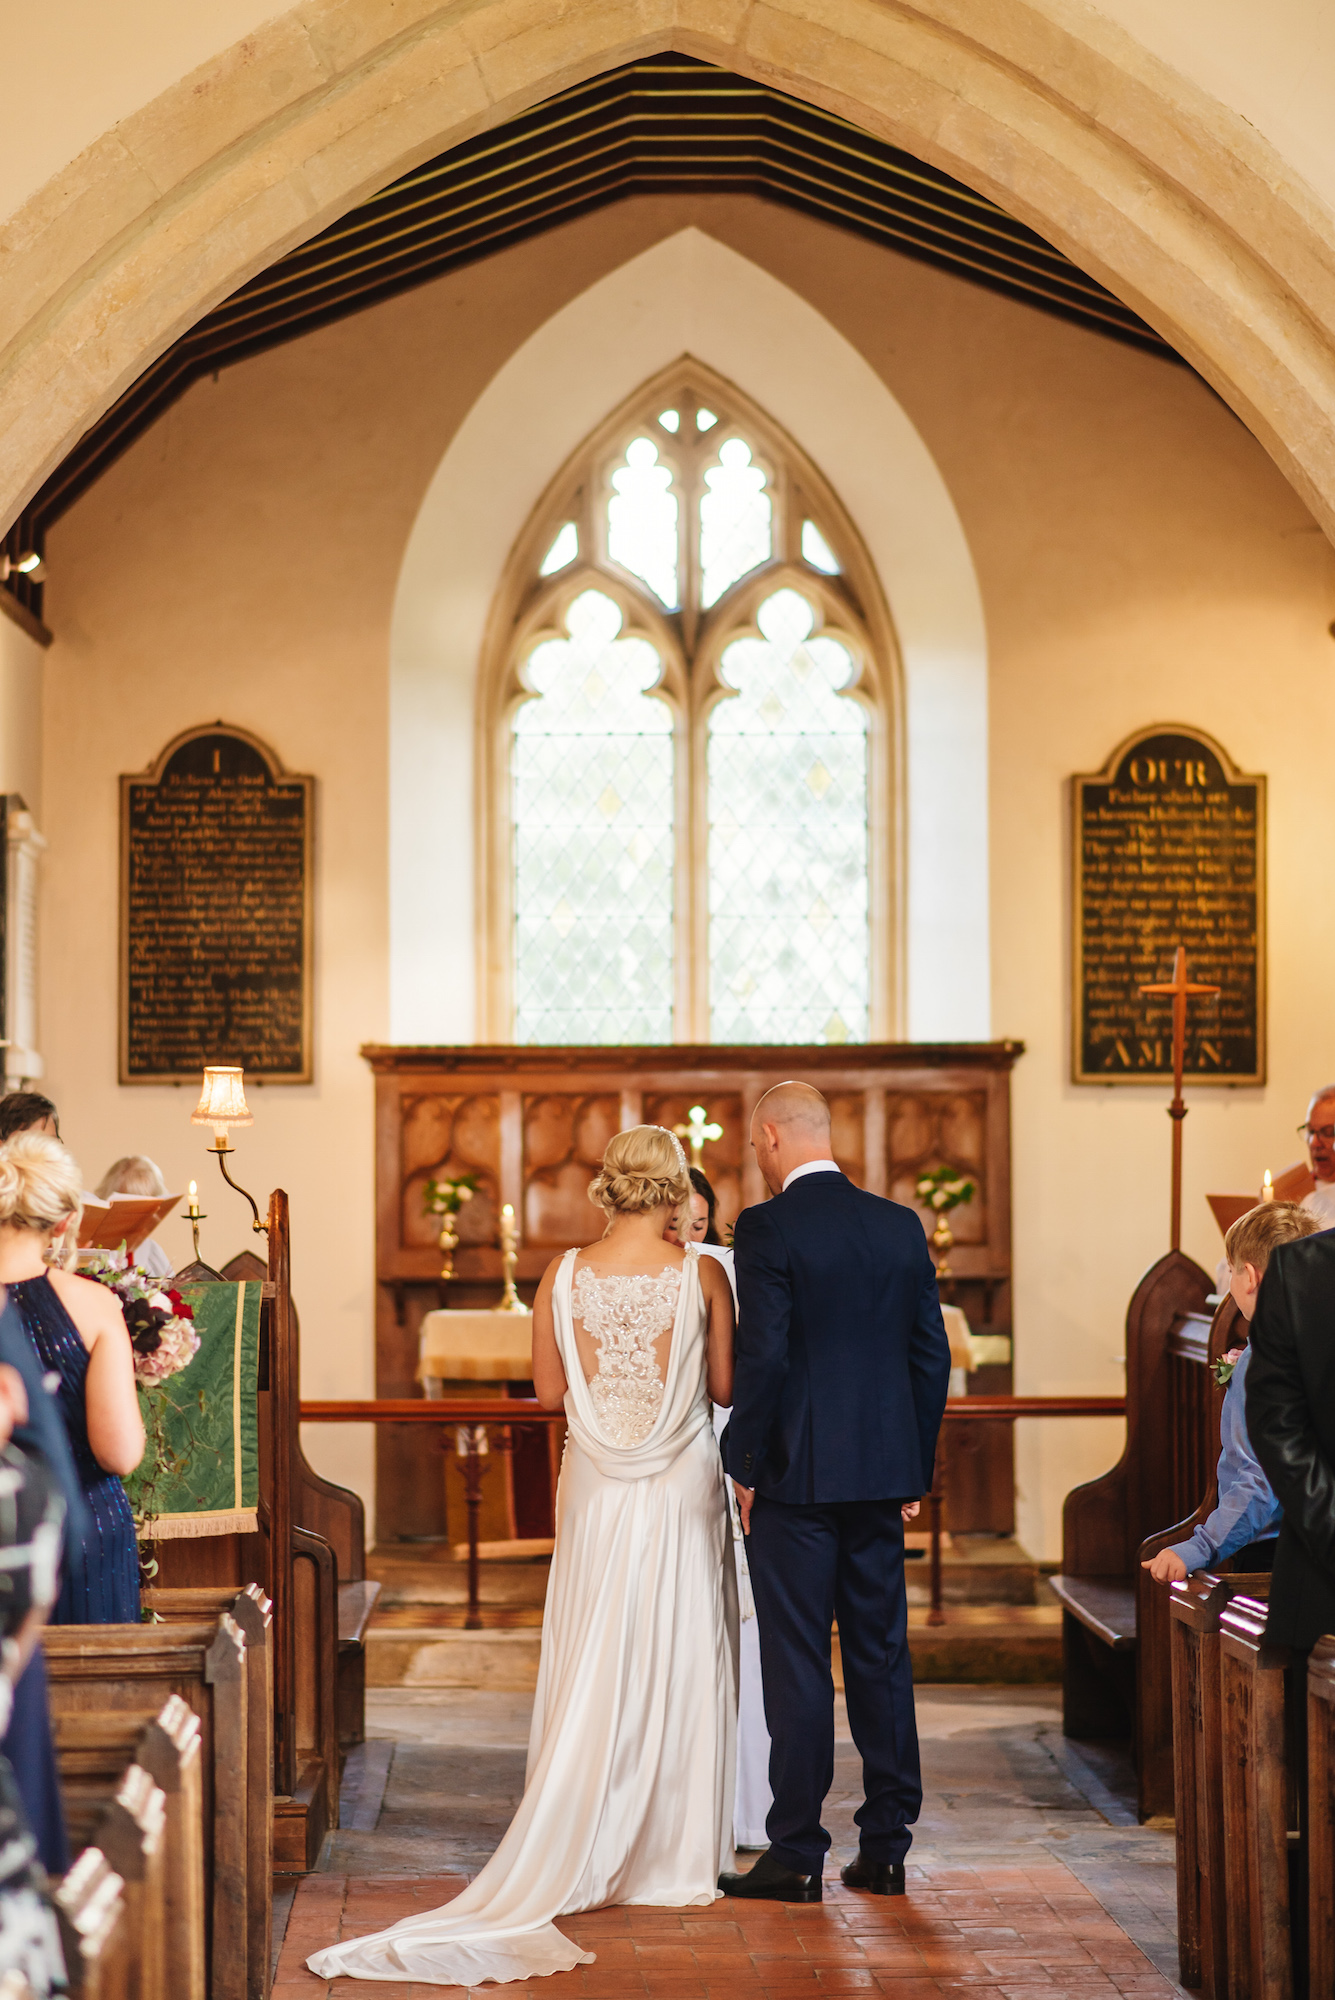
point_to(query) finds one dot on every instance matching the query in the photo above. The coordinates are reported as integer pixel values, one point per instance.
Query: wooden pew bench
(1261, 1800)
(90, 1906)
(1116, 1644)
(1321, 1817)
(134, 1669)
(356, 1602)
(1198, 1766)
(94, 1748)
(252, 1612)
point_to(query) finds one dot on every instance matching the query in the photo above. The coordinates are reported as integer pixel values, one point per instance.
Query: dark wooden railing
(475, 1415)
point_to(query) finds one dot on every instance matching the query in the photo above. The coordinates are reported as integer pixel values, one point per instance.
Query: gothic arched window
(688, 745)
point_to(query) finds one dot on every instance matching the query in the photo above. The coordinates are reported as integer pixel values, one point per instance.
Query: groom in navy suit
(840, 1385)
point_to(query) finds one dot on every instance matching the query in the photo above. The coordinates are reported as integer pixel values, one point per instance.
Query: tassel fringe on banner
(190, 1527)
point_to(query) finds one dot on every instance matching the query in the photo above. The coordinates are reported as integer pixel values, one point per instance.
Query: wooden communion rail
(475, 1415)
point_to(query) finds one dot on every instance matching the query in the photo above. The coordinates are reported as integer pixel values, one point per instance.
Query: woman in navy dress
(78, 1332)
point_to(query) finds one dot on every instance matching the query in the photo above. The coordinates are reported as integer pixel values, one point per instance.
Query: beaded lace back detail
(625, 1317)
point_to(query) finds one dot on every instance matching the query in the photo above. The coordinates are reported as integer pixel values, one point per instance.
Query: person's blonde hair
(643, 1168)
(1263, 1228)
(135, 1174)
(41, 1188)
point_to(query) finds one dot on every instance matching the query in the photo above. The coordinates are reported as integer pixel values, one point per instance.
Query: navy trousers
(810, 1565)
(31, 1753)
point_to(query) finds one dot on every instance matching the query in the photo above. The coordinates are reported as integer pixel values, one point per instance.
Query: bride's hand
(909, 1510)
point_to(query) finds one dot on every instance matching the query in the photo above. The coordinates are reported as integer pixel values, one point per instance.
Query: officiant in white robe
(1319, 1131)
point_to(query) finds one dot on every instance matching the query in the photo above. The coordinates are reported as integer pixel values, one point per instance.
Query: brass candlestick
(449, 1243)
(196, 1214)
(510, 1299)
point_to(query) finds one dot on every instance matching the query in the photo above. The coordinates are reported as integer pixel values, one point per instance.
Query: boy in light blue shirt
(1247, 1511)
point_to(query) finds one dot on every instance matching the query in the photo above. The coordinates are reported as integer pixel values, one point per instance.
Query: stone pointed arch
(484, 505)
(1167, 198)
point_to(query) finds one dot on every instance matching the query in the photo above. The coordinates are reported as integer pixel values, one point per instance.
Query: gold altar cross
(696, 1130)
(1181, 989)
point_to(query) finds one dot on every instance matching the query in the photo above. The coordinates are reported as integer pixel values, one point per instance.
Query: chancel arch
(1148, 183)
(689, 735)
(864, 462)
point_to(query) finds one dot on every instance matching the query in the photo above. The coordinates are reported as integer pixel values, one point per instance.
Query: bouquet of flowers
(159, 1322)
(943, 1189)
(448, 1197)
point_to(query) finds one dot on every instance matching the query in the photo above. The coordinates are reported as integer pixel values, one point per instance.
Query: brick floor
(1003, 1933)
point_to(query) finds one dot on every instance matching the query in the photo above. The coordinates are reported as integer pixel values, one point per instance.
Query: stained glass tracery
(788, 878)
(593, 803)
(596, 795)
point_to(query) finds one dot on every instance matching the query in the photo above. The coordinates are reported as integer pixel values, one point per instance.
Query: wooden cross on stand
(696, 1130)
(1181, 990)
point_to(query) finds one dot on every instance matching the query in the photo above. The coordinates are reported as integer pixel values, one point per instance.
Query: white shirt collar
(810, 1167)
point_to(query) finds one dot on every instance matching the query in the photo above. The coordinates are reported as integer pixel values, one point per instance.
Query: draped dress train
(628, 1797)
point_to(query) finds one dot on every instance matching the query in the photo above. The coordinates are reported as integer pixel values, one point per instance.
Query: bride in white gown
(629, 1787)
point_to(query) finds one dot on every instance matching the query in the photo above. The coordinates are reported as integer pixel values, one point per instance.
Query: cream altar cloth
(475, 1347)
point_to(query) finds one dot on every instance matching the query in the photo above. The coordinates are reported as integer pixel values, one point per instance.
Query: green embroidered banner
(200, 1473)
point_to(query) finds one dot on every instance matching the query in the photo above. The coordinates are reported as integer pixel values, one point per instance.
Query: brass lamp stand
(222, 1104)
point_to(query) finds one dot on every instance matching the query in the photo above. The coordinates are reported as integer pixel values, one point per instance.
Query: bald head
(795, 1107)
(789, 1127)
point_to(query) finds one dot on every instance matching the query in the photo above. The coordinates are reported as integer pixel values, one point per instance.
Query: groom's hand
(745, 1495)
(909, 1511)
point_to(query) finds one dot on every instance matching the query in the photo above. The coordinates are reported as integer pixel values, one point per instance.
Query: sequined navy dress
(101, 1585)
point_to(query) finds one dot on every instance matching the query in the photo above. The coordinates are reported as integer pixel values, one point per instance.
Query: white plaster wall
(689, 294)
(1138, 558)
(21, 665)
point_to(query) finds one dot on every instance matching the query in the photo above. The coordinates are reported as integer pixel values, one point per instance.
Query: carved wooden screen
(530, 1125)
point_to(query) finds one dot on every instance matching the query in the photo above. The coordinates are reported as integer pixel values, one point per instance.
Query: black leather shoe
(878, 1878)
(770, 1882)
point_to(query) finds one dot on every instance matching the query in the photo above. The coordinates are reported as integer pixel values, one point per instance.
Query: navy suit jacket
(842, 1359)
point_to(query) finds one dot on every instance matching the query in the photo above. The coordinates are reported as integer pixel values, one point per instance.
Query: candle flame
(194, 1189)
(1267, 1187)
(509, 1211)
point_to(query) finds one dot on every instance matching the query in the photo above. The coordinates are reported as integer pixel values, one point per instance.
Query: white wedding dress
(631, 1756)
(753, 1797)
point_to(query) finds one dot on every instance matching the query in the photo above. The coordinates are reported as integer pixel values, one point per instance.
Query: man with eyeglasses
(1318, 1129)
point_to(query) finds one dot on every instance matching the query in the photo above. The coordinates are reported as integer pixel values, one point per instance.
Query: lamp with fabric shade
(222, 1103)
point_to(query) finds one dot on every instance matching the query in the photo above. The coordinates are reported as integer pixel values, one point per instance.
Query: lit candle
(194, 1198)
(1267, 1187)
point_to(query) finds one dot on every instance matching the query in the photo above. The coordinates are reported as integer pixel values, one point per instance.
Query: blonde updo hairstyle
(41, 1188)
(643, 1169)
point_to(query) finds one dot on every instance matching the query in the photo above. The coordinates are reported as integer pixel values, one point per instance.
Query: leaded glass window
(593, 816)
(788, 892)
(689, 590)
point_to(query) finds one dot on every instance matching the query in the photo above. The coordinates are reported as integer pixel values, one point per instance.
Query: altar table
(458, 1352)
(529, 1126)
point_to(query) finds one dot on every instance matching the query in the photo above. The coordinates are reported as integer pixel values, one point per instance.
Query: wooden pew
(90, 1907)
(1321, 1817)
(1202, 1940)
(135, 1668)
(1259, 1805)
(1116, 1651)
(252, 1612)
(130, 1833)
(336, 1514)
(309, 1556)
(94, 1748)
